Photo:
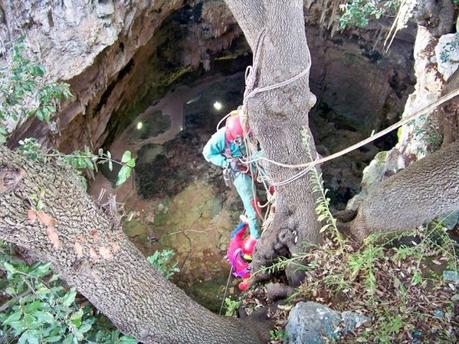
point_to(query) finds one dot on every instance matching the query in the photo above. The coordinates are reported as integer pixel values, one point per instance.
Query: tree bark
(89, 251)
(277, 118)
(423, 191)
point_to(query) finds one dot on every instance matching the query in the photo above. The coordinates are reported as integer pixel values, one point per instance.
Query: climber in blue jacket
(224, 149)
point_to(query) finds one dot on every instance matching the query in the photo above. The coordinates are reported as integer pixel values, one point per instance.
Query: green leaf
(324, 228)
(75, 319)
(18, 326)
(126, 157)
(38, 71)
(131, 163)
(68, 339)
(128, 340)
(53, 339)
(322, 217)
(10, 291)
(85, 328)
(33, 306)
(42, 291)
(41, 270)
(28, 337)
(69, 298)
(29, 320)
(67, 94)
(44, 317)
(123, 175)
(10, 268)
(13, 317)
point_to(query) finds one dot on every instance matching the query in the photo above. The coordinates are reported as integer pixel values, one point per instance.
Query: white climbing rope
(251, 91)
(394, 126)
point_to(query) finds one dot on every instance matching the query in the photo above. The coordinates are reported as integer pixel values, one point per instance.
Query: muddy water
(176, 199)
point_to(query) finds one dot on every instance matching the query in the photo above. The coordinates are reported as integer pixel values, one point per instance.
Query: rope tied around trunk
(251, 146)
(251, 75)
(251, 91)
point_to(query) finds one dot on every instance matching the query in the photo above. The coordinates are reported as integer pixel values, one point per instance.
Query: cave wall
(121, 57)
(85, 43)
(134, 58)
(437, 74)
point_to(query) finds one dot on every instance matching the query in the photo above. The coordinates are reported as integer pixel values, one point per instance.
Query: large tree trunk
(423, 191)
(89, 251)
(277, 118)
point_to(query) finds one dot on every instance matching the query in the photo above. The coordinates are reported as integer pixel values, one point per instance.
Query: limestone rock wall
(86, 43)
(436, 75)
(109, 50)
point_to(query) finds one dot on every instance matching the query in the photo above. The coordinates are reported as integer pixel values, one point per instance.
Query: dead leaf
(285, 308)
(105, 252)
(31, 216)
(78, 249)
(53, 237)
(45, 219)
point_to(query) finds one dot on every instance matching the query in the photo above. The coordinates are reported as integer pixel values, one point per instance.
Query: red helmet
(234, 127)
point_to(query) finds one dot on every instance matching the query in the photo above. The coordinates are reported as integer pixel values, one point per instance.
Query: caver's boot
(245, 284)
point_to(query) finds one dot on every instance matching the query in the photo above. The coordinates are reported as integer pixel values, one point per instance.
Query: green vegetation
(323, 212)
(83, 160)
(162, 261)
(231, 306)
(400, 286)
(25, 92)
(40, 309)
(396, 280)
(357, 13)
(427, 131)
(278, 335)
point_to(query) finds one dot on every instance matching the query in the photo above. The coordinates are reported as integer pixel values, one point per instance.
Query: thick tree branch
(424, 190)
(89, 251)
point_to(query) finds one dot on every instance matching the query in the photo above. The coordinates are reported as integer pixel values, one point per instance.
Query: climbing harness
(250, 91)
(227, 177)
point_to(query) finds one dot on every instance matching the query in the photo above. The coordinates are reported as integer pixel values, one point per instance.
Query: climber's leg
(243, 184)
